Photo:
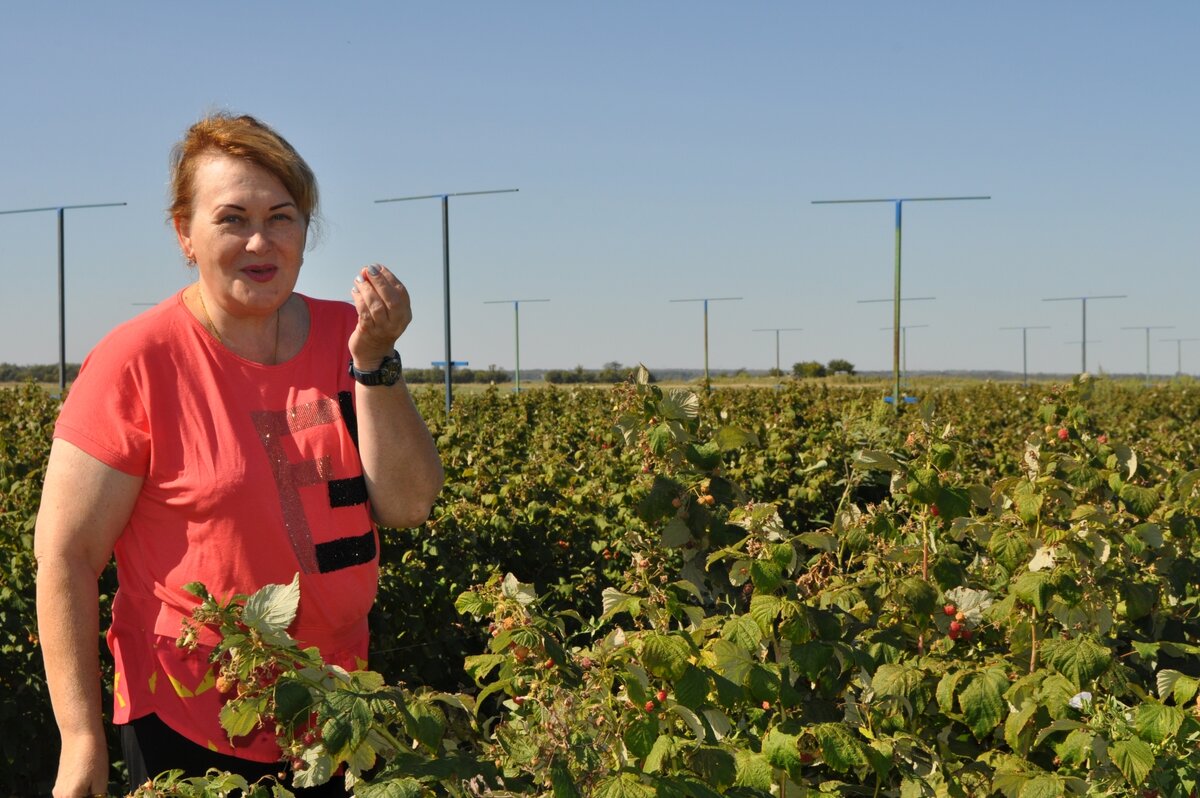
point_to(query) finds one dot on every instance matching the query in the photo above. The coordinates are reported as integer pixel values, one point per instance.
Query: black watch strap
(388, 373)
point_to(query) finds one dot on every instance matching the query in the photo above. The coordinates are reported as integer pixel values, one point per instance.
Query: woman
(236, 434)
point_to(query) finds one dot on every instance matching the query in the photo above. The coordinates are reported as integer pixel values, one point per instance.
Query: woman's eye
(230, 219)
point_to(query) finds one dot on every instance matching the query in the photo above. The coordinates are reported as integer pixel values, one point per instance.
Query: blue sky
(663, 150)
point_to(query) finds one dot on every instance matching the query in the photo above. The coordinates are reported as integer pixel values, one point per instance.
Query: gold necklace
(216, 333)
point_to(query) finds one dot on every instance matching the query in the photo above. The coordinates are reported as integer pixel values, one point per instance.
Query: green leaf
(872, 460)
(732, 661)
(272, 608)
(1034, 588)
(742, 630)
(513, 588)
(679, 404)
(293, 702)
(1081, 659)
(1157, 723)
(897, 680)
(615, 602)
(729, 438)
(473, 604)
(239, 718)
(428, 724)
(753, 770)
(715, 766)
(623, 785)
(1009, 548)
(1076, 748)
(480, 665)
(1138, 500)
(781, 750)
(916, 595)
(767, 575)
(764, 609)
(1028, 502)
(1043, 786)
(1016, 728)
(662, 750)
(1181, 687)
(676, 533)
(705, 457)
(641, 735)
(659, 438)
(666, 656)
(982, 703)
(1133, 758)
(692, 689)
(840, 749)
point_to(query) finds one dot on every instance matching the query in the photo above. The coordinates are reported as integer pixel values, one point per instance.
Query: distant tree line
(10, 372)
(610, 373)
(812, 368)
(464, 375)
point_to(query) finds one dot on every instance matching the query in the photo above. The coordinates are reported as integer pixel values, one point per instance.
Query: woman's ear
(183, 231)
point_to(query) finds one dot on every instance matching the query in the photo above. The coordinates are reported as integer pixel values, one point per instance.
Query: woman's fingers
(382, 302)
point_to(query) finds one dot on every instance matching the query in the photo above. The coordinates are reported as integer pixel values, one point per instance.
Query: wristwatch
(388, 373)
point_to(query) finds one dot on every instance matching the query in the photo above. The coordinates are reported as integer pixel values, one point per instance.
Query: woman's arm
(85, 506)
(400, 463)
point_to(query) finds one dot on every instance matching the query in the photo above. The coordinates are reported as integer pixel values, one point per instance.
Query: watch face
(390, 371)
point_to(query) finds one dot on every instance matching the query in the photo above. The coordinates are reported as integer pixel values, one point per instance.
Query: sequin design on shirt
(272, 426)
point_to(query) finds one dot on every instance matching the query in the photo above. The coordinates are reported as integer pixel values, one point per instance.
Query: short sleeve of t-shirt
(104, 413)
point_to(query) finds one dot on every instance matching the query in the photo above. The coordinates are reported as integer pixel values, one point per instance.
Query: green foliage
(809, 368)
(790, 592)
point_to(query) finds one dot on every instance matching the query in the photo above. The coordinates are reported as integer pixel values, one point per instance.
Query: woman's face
(245, 235)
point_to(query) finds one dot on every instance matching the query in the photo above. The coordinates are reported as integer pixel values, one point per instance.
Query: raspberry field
(642, 591)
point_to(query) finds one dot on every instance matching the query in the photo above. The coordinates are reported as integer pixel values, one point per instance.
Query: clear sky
(663, 150)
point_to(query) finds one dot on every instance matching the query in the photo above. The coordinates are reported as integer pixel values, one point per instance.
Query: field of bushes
(645, 591)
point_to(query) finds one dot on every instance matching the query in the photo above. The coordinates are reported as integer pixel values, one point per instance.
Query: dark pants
(152, 747)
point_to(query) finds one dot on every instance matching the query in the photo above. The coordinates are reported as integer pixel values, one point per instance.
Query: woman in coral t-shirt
(237, 434)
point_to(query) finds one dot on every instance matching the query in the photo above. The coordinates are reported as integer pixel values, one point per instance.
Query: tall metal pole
(777, 330)
(445, 198)
(904, 346)
(1179, 352)
(1083, 336)
(516, 303)
(896, 281)
(706, 300)
(1025, 348)
(62, 279)
(1148, 329)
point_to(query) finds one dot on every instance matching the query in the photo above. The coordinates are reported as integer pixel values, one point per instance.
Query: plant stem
(1033, 648)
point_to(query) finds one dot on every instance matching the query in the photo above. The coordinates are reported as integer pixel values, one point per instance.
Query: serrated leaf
(744, 631)
(1181, 687)
(1044, 786)
(679, 404)
(666, 656)
(753, 770)
(732, 662)
(982, 704)
(613, 601)
(840, 748)
(272, 608)
(1008, 548)
(1140, 501)
(1076, 748)
(293, 702)
(692, 689)
(1016, 731)
(781, 750)
(716, 767)
(1043, 558)
(1081, 659)
(1133, 758)
(1157, 723)
(690, 719)
(623, 785)
(1028, 502)
(767, 575)
(473, 604)
(897, 680)
(641, 735)
(239, 718)
(663, 748)
(1034, 588)
(764, 609)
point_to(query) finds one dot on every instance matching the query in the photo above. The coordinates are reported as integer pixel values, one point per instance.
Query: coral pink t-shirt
(251, 475)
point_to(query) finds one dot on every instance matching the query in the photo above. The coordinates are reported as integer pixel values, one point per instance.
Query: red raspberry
(950, 609)
(649, 706)
(1063, 433)
(661, 695)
